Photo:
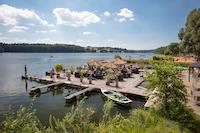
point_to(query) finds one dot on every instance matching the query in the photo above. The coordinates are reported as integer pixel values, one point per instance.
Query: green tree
(190, 34)
(172, 49)
(1, 50)
(169, 88)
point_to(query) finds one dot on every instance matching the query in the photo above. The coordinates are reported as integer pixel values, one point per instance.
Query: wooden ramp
(46, 86)
(35, 90)
(74, 96)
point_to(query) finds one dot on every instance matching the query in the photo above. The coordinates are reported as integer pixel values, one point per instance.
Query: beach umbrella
(105, 61)
(119, 62)
(93, 63)
(110, 65)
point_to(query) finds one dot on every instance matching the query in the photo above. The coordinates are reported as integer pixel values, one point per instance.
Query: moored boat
(117, 97)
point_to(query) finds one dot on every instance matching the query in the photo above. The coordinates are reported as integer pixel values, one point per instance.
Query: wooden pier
(129, 86)
(37, 89)
(75, 95)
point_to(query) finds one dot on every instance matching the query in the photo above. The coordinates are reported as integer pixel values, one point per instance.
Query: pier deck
(129, 85)
(46, 86)
(79, 93)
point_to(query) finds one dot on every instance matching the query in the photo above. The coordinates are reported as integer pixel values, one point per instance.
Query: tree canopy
(190, 34)
(189, 37)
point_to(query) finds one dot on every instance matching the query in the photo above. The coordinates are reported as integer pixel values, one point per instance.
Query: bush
(149, 61)
(80, 121)
(163, 58)
(117, 56)
(59, 67)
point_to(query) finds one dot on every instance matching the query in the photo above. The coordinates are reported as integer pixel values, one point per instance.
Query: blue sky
(131, 24)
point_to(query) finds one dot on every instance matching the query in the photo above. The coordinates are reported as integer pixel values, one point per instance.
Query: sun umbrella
(119, 62)
(93, 63)
(109, 65)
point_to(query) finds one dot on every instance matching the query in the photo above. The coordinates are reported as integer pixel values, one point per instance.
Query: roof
(195, 65)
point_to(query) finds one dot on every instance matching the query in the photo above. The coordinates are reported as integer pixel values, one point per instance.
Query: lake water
(13, 90)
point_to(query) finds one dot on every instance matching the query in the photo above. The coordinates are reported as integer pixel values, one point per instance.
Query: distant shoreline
(62, 48)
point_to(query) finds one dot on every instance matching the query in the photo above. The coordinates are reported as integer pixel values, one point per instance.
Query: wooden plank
(46, 86)
(76, 94)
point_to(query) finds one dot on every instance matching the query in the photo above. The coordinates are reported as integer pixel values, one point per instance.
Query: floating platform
(76, 95)
(35, 90)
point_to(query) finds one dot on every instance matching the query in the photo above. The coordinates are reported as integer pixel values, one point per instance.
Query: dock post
(25, 71)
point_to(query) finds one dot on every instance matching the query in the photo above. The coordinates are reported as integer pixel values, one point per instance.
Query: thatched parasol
(119, 62)
(110, 65)
(93, 63)
(105, 61)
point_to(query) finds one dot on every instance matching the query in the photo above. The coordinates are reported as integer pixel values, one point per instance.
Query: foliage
(160, 50)
(163, 58)
(71, 68)
(22, 121)
(41, 48)
(172, 49)
(79, 120)
(61, 48)
(172, 95)
(144, 61)
(59, 67)
(117, 56)
(110, 76)
(190, 35)
(149, 61)
(169, 87)
(78, 69)
(1, 49)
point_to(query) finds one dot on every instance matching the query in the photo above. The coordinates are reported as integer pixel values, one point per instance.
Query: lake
(13, 90)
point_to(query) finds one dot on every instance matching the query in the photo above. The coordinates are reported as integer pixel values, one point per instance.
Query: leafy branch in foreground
(79, 120)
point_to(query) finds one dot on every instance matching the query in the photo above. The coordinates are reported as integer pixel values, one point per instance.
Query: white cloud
(106, 13)
(45, 31)
(88, 33)
(126, 13)
(41, 31)
(12, 16)
(18, 29)
(73, 18)
(80, 41)
(122, 20)
(13, 40)
(52, 30)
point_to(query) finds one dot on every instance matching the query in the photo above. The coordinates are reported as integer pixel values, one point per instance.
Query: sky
(131, 24)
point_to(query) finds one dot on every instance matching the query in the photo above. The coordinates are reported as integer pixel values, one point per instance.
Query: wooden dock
(129, 86)
(35, 90)
(75, 95)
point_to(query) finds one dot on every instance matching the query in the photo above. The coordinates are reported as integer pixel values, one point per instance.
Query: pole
(25, 71)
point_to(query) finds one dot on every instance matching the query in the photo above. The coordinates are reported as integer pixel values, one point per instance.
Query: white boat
(117, 97)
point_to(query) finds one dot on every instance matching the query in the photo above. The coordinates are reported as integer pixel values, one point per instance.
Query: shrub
(163, 58)
(79, 120)
(117, 56)
(59, 67)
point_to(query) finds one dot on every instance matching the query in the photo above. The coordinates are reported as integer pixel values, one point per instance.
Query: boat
(117, 97)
